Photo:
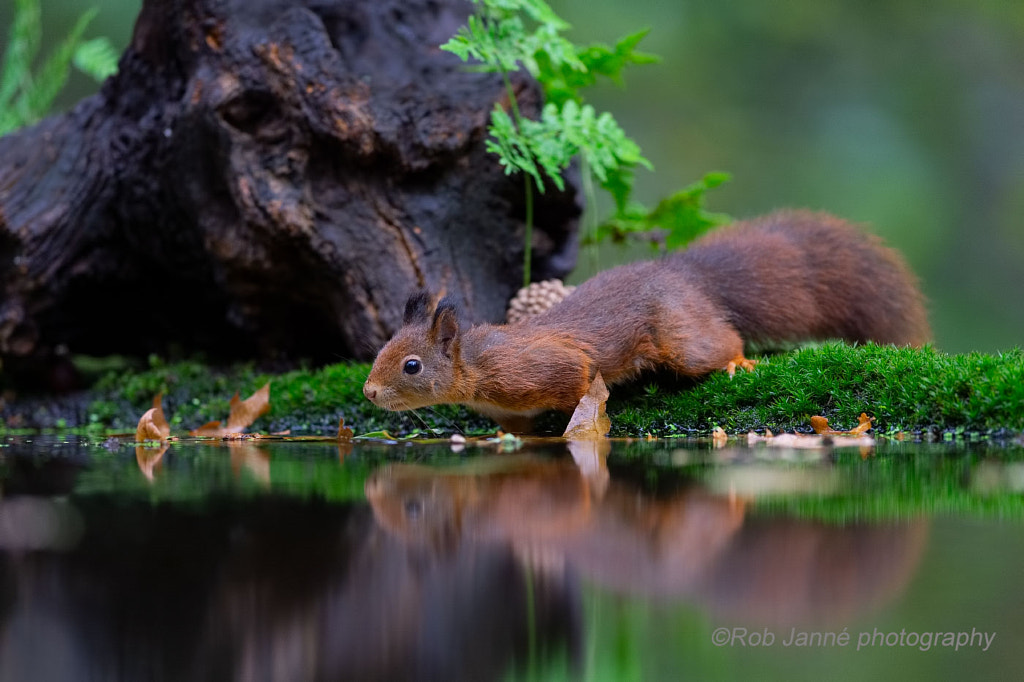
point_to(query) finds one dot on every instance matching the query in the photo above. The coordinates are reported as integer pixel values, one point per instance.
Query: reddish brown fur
(789, 276)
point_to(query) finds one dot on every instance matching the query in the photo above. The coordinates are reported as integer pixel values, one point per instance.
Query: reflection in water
(459, 573)
(689, 545)
(275, 590)
(150, 460)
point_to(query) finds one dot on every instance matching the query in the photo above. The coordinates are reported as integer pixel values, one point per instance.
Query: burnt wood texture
(267, 178)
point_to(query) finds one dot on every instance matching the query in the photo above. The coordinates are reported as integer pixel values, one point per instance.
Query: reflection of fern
(25, 97)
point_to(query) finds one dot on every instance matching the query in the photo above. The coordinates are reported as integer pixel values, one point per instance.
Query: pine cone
(536, 298)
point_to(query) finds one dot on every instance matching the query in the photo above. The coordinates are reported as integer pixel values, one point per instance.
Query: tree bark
(267, 178)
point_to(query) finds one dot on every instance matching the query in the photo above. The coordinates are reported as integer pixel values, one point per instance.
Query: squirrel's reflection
(453, 573)
(690, 544)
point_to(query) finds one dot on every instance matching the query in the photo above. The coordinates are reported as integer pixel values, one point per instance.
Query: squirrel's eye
(412, 366)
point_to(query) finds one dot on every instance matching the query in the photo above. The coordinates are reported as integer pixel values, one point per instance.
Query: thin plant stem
(528, 234)
(590, 210)
(512, 102)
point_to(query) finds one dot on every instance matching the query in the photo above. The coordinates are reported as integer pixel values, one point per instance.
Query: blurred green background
(905, 115)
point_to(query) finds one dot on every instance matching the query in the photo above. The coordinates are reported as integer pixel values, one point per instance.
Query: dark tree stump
(267, 178)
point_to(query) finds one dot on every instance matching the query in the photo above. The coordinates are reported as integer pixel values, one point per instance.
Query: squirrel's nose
(370, 390)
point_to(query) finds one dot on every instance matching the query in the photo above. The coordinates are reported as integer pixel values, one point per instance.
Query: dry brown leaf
(864, 425)
(208, 429)
(852, 438)
(243, 414)
(821, 427)
(241, 435)
(589, 421)
(344, 433)
(153, 425)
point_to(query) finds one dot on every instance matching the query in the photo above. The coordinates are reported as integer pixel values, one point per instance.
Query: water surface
(303, 560)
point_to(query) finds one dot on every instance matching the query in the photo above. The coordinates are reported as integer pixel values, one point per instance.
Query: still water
(639, 561)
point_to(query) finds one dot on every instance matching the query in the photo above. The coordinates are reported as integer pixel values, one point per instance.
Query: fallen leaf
(240, 435)
(344, 433)
(821, 427)
(864, 425)
(208, 429)
(243, 414)
(153, 425)
(590, 421)
(802, 441)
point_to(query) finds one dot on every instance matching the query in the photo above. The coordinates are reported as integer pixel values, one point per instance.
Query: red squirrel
(788, 276)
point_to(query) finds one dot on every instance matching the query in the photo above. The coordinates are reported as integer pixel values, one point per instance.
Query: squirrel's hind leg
(740, 362)
(695, 347)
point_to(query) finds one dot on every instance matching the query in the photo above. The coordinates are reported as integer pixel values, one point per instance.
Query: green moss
(905, 389)
(304, 400)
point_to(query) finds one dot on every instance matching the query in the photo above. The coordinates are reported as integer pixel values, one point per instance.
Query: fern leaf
(22, 47)
(54, 72)
(96, 58)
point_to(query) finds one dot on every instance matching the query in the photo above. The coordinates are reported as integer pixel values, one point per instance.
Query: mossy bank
(916, 391)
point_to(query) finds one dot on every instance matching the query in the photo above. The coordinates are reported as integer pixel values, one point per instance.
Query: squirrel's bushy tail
(799, 274)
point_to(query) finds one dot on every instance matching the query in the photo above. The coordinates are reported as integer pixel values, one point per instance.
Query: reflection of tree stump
(266, 177)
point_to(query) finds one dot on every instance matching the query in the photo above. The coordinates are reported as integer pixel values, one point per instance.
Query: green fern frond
(22, 48)
(506, 35)
(54, 72)
(96, 58)
(25, 97)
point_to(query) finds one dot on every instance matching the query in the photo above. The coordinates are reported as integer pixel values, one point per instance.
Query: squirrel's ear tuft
(417, 308)
(447, 324)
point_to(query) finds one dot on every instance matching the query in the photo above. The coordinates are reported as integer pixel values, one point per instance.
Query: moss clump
(905, 389)
(304, 400)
